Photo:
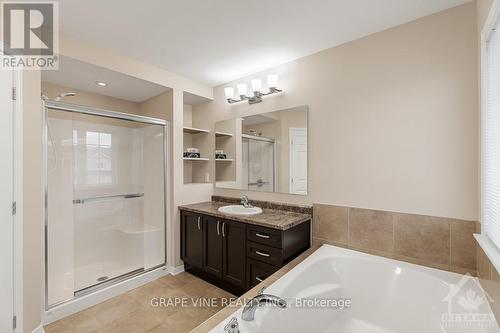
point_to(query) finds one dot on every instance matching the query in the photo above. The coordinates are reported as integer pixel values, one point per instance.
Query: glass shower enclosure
(105, 199)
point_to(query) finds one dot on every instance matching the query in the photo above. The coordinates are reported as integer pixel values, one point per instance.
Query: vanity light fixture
(272, 84)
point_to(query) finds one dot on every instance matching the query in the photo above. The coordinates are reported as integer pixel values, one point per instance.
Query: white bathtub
(386, 296)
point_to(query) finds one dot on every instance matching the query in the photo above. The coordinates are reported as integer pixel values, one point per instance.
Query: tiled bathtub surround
(437, 242)
(490, 280)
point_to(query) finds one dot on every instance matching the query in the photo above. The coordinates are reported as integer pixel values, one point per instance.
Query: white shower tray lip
(240, 210)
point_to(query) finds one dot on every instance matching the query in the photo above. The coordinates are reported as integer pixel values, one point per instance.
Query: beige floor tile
(82, 322)
(133, 312)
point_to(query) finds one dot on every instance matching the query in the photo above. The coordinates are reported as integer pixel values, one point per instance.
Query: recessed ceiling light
(101, 84)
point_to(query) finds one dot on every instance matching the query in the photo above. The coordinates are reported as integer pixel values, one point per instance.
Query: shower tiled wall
(436, 242)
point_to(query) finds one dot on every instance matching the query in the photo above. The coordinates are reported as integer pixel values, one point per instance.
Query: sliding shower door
(105, 201)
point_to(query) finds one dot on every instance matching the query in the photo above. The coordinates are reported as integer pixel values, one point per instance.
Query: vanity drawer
(266, 254)
(263, 235)
(258, 272)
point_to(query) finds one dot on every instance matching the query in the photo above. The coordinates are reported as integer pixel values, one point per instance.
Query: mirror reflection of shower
(263, 152)
(259, 157)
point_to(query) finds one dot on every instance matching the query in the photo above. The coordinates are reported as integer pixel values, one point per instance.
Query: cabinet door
(212, 261)
(258, 272)
(192, 239)
(234, 253)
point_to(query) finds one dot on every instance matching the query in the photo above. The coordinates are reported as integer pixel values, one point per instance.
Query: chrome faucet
(251, 306)
(245, 202)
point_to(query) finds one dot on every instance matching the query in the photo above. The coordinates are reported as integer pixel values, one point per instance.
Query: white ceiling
(80, 75)
(216, 41)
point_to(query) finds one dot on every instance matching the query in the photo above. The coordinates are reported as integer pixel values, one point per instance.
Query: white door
(298, 160)
(6, 199)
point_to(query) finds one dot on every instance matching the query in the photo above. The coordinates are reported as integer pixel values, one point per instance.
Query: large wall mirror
(265, 152)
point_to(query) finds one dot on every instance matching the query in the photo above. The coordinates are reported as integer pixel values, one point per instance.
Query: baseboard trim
(174, 270)
(39, 329)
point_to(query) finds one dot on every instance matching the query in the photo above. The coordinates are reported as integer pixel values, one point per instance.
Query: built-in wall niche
(196, 144)
(226, 151)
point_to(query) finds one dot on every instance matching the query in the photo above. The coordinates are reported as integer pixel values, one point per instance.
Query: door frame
(17, 197)
(290, 158)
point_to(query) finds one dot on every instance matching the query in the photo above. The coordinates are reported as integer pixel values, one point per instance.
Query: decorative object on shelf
(220, 156)
(272, 83)
(191, 155)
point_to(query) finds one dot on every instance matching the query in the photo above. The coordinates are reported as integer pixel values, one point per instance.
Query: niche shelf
(224, 159)
(194, 130)
(223, 135)
(195, 159)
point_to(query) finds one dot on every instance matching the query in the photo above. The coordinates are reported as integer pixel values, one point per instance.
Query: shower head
(61, 96)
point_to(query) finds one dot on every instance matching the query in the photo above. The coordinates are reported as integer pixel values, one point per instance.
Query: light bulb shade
(242, 89)
(272, 81)
(256, 85)
(229, 92)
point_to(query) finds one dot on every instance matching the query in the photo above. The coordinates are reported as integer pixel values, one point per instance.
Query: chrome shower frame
(67, 107)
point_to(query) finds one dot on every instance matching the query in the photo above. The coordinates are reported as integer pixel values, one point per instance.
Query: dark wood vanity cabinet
(212, 262)
(192, 233)
(270, 249)
(234, 255)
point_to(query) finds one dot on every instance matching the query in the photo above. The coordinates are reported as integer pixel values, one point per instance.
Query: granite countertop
(271, 218)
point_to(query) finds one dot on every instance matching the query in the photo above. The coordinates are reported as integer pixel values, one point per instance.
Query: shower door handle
(199, 224)
(258, 183)
(218, 228)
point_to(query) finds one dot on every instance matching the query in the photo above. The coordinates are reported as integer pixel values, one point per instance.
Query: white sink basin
(240, 210)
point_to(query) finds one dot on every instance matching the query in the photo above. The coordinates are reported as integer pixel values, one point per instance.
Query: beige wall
(392, 118)
(483, 9)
